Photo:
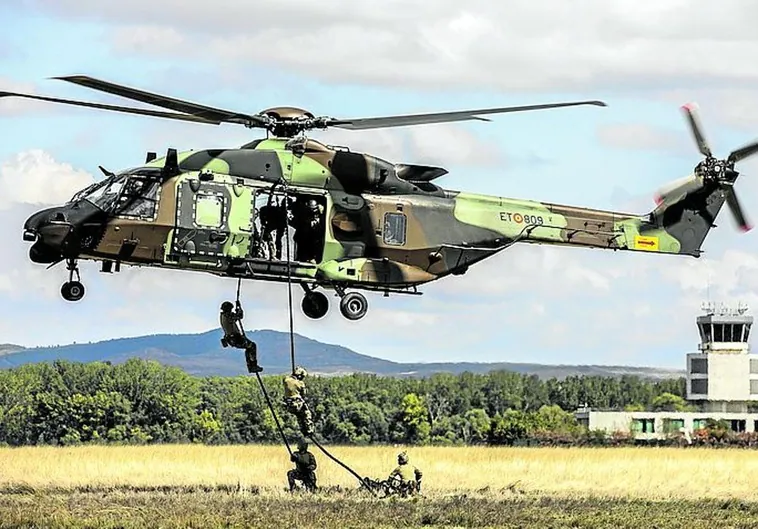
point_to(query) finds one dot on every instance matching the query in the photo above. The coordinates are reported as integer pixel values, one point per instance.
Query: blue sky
(533, 304)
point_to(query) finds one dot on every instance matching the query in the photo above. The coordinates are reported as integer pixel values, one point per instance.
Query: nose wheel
(72, 290)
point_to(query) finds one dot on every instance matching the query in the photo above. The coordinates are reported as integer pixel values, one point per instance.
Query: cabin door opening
(302, 223)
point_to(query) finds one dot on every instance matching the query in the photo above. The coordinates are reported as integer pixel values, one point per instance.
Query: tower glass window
(707, 332)
(718, 332)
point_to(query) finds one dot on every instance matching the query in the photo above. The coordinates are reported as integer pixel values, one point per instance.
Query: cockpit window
(130, 193)
(105, 196)
(139, 198)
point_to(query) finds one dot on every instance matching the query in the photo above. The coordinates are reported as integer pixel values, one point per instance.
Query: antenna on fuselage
(171, 167)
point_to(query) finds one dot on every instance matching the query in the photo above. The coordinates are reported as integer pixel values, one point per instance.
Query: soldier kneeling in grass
(305, 468)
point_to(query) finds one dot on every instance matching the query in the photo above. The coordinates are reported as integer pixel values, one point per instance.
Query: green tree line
(146, 402)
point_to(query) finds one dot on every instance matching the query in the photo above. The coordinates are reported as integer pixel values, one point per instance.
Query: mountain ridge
(201, 354)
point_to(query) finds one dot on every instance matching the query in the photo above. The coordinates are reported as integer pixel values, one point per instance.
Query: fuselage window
(209, 211)
(394, 228)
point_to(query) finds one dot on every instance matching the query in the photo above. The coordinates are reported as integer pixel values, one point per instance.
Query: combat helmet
(300, 372)
(402, 458)
(227, 306)
(302, 444)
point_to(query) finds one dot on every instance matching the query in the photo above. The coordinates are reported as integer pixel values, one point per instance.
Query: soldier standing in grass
(305, 468)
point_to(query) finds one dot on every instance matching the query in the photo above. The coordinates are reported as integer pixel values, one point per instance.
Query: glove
(293, 458)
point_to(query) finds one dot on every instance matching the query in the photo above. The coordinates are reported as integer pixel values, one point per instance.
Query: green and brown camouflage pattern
(385, 226)
(381, 231)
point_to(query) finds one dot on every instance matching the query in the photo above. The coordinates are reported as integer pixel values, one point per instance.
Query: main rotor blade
(743, 152)
(128, 110)
(179, 105)
(734, 205)
(690, 111)
(442, 117)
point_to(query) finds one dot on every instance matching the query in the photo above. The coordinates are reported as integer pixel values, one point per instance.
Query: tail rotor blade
(690, 111)
(734, 206)
(743, 152)
(676, 189)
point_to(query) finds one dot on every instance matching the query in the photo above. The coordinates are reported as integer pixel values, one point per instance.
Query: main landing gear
(315, 305)
(72, 290)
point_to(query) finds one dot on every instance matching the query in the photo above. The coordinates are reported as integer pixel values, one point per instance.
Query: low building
(722, 383)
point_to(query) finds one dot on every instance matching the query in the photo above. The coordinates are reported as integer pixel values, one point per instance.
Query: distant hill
(202, 354)
(7, 348)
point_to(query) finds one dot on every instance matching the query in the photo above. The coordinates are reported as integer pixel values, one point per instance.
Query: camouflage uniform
(234, 335)
(294, 400)
(305, 468)
(308, 236)
(274, 223)
(406, 479)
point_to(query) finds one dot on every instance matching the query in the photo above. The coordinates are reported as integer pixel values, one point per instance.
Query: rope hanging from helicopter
(364, 482)
(289, 279)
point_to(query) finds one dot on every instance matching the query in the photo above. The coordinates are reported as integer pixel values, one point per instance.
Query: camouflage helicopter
(360, 222)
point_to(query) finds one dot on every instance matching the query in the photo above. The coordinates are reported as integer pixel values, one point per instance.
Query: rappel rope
(276, 418)
(340, 463)
(289, 280)
(292, 357)
(343, 465)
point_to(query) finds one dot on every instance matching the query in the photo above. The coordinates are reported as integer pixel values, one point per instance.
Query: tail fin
(689, 217)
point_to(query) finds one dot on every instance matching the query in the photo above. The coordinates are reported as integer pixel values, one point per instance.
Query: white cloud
(16, 106)
(34, 177)
(730, 275)
(29, 181)
(643, 137)
(521, 45)
(143, 39)
(733, 105)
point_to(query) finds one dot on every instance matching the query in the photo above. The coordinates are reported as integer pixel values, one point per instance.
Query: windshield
(84, 192)
(104, 196)
(105, 193)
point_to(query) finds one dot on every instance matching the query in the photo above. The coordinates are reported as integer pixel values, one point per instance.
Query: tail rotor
(711, 172)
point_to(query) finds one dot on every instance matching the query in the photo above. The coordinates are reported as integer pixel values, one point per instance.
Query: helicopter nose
(64, 232)
(51, 232)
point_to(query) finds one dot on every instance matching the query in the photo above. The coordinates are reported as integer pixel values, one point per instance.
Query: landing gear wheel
(315, 305)
(353, 306)
(72, 291)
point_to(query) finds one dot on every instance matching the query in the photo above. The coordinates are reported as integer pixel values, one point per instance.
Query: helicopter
(361, 223)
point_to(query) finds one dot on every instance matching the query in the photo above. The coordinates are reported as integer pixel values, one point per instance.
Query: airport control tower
(723, 375)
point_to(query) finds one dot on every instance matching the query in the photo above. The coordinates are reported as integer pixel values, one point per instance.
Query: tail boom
(677, 227)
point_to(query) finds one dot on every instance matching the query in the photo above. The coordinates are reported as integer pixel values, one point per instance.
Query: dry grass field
(180, 486)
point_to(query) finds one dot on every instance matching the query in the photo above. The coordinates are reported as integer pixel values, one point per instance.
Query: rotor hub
(287, 122)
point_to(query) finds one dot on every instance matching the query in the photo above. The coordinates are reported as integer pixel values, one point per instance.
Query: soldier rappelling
(294, 400)
(234, 334)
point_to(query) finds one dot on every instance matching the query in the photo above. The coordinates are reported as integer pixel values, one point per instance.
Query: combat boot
(252, 363)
